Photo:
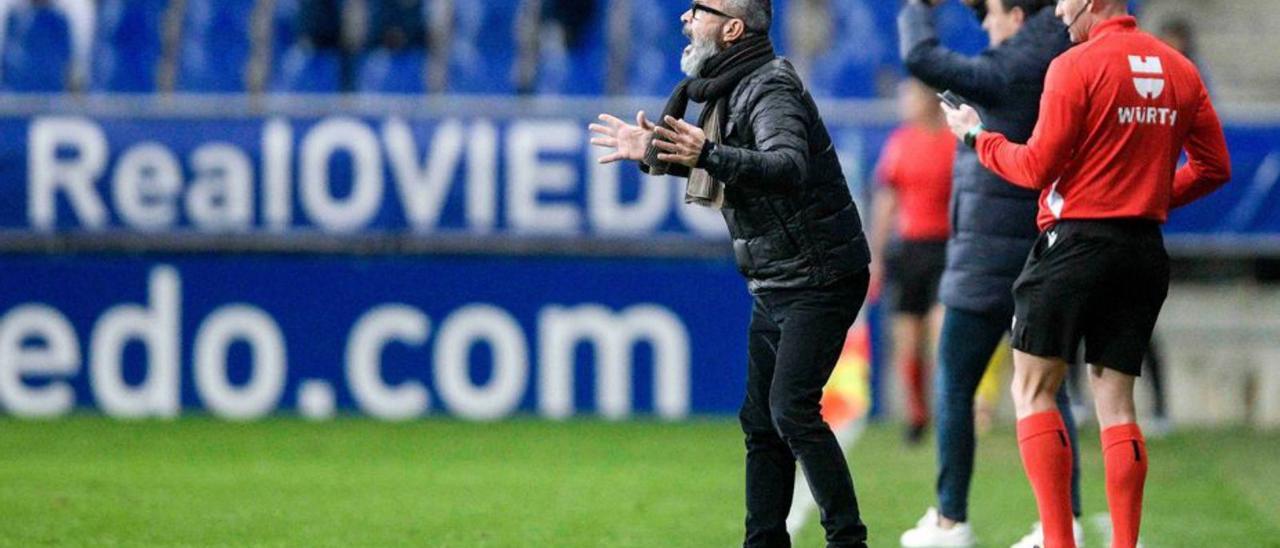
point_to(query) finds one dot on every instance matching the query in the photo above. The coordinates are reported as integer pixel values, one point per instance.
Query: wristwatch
(971, 138)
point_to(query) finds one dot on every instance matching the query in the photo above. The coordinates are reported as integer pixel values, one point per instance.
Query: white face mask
(696, 55)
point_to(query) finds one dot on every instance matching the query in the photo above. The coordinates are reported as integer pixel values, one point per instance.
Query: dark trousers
(964, 349)
(794, 341)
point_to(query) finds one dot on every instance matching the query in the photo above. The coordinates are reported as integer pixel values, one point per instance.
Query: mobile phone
(952, 100)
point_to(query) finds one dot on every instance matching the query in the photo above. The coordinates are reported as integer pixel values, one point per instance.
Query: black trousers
(794, 340)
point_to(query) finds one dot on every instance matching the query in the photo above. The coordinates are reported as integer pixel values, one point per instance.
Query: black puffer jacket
(993, 223)
(787, 204)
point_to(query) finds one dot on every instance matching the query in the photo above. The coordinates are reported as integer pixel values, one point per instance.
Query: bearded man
(761, 154)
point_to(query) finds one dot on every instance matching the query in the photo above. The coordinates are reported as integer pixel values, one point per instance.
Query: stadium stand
(571, 45)
(850, 67)
(561, 47)
(215, 46)
(652, 67)
(304, 69)
(129, 46)
(397, 24)
(1236, 39)
(37, 50)
(393, 71)
(483, 46)
(285, 26)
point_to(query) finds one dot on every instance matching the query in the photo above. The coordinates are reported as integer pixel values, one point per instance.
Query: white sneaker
(1157, 428)
(1102, 522)
(1035, 539)
(929, 534)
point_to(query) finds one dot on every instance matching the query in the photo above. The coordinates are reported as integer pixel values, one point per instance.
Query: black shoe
(915, 433)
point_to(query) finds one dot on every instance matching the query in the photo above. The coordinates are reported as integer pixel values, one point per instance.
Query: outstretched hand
(627, 141)
(682, 144)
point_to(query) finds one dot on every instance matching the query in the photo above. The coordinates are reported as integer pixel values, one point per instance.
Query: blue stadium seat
(407, 18)
(37, 51)
(778, 33)
(579, 69)
(483, 47)
(387, 71)
(303, 69)
(851, 66)
(128, 45)
(215, 46)
(284, 28)
(653, 67)
(316, 22)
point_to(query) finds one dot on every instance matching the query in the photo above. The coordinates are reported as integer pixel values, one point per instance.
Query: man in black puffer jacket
(761, 153)
(992, 229)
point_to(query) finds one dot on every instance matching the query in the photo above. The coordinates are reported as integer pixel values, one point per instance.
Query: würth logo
(1150, 88)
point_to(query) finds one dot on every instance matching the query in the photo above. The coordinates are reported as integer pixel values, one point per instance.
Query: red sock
(917, 402)
(1046, 456)
(1124, 453)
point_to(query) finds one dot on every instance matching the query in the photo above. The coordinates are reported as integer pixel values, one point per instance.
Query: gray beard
(691, 60)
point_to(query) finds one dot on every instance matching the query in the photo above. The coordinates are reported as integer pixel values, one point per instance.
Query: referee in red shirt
(909, 237)
(1117, 112)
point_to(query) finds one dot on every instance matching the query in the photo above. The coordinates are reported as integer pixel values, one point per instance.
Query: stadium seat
(405, 19)
(483, 48)
(318, 23)
(215, 46)
(850, 67)
(580, 67)
(653, 67)
(303, 69)
(573, 72)
(37, 51)
(128, 46)
(284, 28)
(387, 71)
(778, 33)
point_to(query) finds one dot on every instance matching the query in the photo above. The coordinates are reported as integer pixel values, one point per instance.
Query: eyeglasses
(696, 7)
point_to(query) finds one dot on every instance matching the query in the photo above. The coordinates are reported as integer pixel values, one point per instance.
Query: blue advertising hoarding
(434, 172)
(139, 330)
(394, 337)
(337, 175)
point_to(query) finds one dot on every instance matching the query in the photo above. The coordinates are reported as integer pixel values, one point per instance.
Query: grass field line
(802, 504)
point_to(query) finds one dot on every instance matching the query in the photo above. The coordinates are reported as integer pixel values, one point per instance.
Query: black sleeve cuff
(707, 149)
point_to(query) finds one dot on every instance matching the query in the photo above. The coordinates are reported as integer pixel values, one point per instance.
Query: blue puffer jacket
(993, 223)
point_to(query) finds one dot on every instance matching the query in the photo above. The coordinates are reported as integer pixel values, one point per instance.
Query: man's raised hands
(627, 141)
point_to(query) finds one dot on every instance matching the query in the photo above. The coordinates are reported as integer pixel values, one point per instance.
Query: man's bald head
(1080, 16)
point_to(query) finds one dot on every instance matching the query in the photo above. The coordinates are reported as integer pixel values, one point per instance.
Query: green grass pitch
(89, 481)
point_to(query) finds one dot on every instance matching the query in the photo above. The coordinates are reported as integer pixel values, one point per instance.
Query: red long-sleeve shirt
(1116, 113)
(916, 164)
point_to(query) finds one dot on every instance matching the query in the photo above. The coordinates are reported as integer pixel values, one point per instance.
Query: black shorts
(913, 269)
(1102, 282)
